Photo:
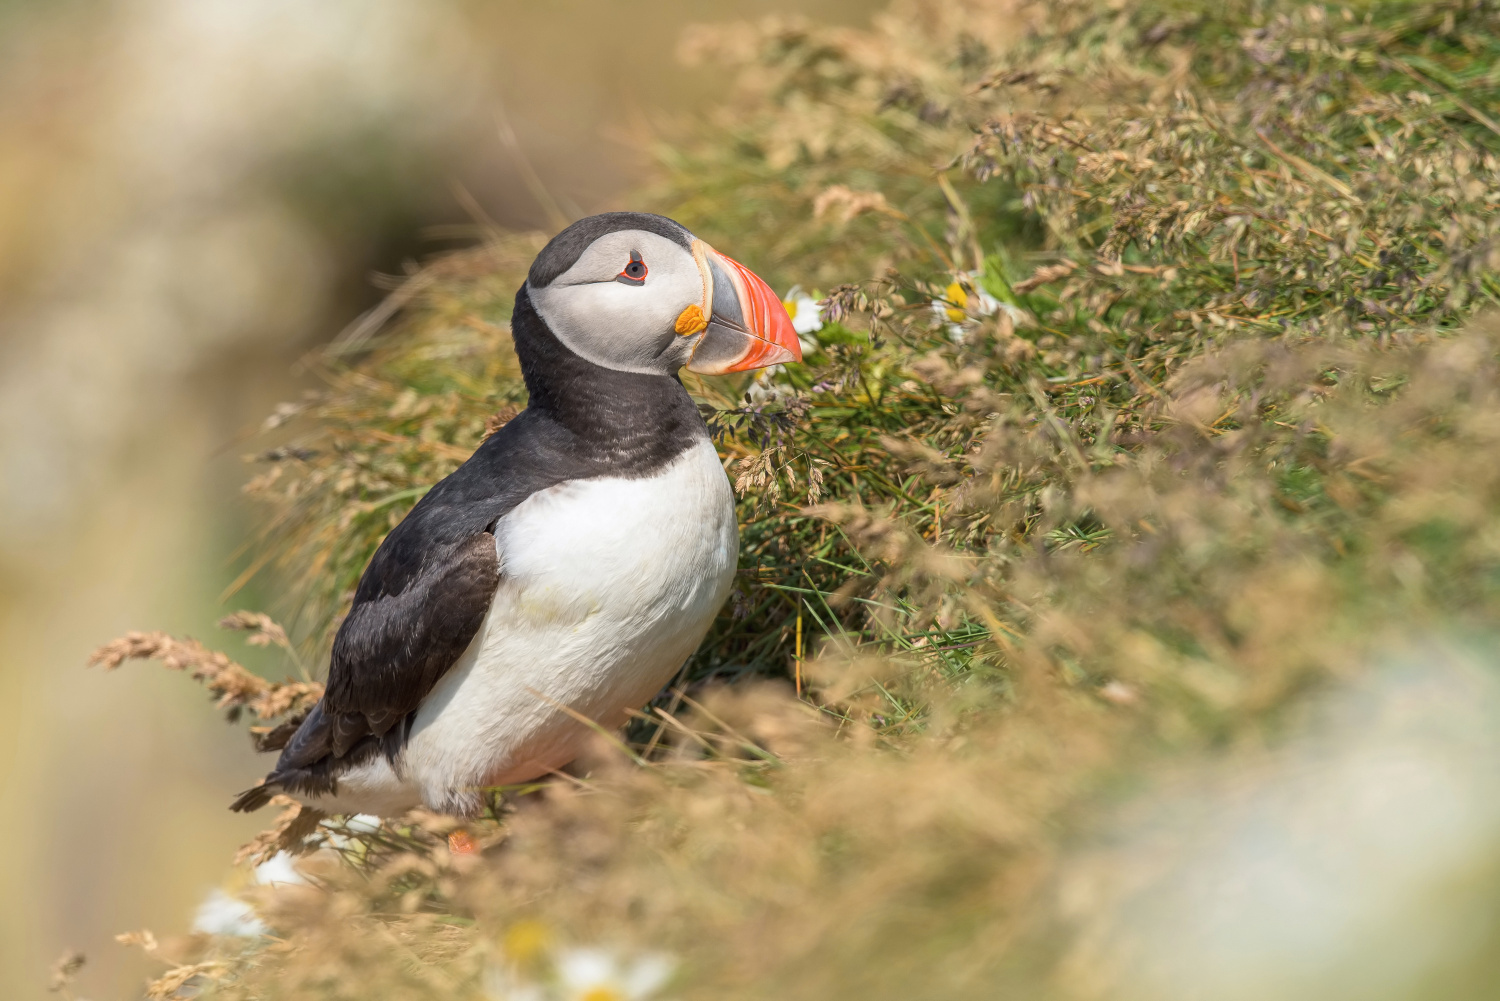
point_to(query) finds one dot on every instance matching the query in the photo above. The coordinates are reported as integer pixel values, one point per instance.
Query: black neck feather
(632, 421)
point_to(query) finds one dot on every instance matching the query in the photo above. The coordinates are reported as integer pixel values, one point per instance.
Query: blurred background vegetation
(1131, 534)
(192, 194)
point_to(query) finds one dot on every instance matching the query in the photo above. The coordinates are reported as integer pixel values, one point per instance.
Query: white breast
(607, 586)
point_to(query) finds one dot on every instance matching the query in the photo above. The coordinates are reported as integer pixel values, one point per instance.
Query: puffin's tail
(256, 796)
(302, 740)
(308, 766)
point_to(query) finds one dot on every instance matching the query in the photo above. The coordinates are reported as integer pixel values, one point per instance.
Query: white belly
(606, 587)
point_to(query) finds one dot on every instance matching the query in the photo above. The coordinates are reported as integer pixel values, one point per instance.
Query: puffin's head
(638, 293)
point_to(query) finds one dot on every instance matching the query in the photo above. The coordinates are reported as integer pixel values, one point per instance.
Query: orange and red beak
(748, 327)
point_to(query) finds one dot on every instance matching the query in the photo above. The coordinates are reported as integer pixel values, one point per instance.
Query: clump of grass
(1153, 394)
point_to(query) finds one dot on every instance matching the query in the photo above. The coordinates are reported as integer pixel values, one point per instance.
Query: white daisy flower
(601, 975)
(525, 951)
(222, 914)
(959, 305)
(279, 868)
(360, 823)
(807, 317)
(363, 823)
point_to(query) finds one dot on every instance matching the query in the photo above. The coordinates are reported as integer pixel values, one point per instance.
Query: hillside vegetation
(1155, 398)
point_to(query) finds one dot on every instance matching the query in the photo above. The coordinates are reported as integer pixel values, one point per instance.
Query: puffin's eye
(635, 271)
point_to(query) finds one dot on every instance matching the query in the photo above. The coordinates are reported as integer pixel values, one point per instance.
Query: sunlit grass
(1210, 431)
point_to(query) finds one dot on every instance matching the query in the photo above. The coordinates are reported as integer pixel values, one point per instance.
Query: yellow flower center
(958, 299)
(601, 994)
(525, 940)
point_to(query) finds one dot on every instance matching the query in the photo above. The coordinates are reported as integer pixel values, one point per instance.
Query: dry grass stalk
(288, 833)
(64, 971)
(233, 686)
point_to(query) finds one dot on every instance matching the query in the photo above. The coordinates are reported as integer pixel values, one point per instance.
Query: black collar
(631, 422)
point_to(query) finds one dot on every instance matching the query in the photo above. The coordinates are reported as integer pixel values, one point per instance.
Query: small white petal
(222, 914)
(985, 304)
(807, 316)
(363, 823)
(647, 975)
(279, 868)
(580, 969)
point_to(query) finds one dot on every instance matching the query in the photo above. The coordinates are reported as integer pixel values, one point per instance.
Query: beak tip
(784, 336)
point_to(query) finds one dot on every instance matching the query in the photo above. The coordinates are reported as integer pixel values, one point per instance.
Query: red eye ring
(635, 272)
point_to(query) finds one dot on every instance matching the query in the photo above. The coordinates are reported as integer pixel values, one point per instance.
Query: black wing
(418, 605)
(393, 648)
(389, 652)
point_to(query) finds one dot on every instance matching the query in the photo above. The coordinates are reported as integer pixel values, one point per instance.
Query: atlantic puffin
(573, 563)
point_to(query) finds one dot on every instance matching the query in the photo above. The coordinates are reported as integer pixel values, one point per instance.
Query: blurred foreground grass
(1132, 537)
